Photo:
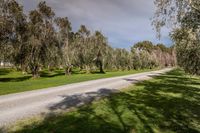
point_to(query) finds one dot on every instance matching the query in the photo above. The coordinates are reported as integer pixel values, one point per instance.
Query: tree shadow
(78, 100)
(43, 74)
(133, 81)
(18, 79)
(48, 74)
(159, 105)
(4, 71)
(85, 120)
(78, 72)
(97, 72)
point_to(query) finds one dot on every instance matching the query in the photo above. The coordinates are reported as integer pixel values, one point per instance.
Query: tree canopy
(184, 18)
(40, 39)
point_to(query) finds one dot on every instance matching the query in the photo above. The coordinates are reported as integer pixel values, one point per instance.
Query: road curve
(18, 106)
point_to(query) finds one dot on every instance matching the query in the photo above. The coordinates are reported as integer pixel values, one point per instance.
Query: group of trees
(147, 55)
(184, 17)
(42, 40)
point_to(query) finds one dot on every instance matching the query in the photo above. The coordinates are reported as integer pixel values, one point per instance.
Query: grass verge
(169, 103)
(12, 81)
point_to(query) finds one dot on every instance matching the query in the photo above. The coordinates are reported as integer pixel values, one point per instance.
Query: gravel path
(18, 106)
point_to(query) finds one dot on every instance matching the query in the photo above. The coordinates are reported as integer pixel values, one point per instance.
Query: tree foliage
(184, 17)
(40, 39)
(147, 55)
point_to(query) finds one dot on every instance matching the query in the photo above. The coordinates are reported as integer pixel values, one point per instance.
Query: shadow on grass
(15, 79)
(133, 81)
(43, 74)
(97, 72)
(169, 103)
(47, 74)
(4, 71)
(81, 99)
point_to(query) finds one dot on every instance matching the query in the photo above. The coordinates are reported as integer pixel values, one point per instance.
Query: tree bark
(101, 67)
(99, 62)
(35, 72)
(87, 69)
(68, 70)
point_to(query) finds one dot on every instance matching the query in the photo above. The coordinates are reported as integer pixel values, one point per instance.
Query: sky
(123, 22)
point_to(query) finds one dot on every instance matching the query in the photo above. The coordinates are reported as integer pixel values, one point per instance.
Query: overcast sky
(124, 22)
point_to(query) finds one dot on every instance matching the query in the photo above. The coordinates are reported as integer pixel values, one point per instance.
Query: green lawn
(169, 103)
(12, 81)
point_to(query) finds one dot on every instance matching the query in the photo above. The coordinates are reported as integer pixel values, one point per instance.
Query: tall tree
(100, 49)
(40, 38)
(65, 41)
(184, 17)
(13, 25)
(85, 48)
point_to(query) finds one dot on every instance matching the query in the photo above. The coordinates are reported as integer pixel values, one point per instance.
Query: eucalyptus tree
(147, 55)
(165, 55)
(41, 40)
(79, 48)
(48, 38)
(35, 45)
(21, 36)
(177, 13)
(65, 38)
(188, 50)
(86, 53)
(144, 45)
(122, 59)
(41, 33)
(144, 50)
(6, 24)
(184, 17)
(100, 49)
(135, 57)
(109, 60)
(13, 25)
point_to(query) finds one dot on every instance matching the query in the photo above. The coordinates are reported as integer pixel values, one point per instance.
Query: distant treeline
(40, 39)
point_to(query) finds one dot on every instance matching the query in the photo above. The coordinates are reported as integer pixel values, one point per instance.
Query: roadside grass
(12, 81)
(169, 103)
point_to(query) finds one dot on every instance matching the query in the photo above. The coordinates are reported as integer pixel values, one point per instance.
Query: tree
(184, 17)
(100, 49)
(65, 41)
(122, 59)
(144, 45)
(188, 50)
(143, 55)
(40, 39)
(136, 63)
(147, 55)
(13, 26)
(85, 48)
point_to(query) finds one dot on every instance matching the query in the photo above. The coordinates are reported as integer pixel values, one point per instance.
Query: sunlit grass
(14, 81)
(169, 103)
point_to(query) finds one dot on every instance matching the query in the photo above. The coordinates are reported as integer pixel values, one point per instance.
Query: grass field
(169, 103)
(12, 81)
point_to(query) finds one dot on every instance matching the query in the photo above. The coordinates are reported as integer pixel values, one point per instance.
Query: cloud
(124, 22)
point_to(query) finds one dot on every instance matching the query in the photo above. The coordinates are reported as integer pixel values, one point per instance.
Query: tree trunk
(87, 69)
(23, 68)
(99, 62)
(35, 71)
(101, 67)
(68, 70)
(50, 68)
